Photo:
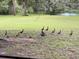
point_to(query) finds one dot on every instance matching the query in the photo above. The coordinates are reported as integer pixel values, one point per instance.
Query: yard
(37, 22)
(50, 46)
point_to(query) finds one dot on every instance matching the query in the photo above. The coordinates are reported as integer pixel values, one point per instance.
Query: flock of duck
(42, 33)
(53, 31)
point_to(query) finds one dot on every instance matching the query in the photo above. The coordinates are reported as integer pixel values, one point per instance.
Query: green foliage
(56, 8)
(3, 7)
(37, 6)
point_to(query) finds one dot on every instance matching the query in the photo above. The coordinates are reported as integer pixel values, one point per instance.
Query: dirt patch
(21, 40)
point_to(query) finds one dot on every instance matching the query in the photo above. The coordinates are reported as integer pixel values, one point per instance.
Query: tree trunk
(36, 8)
(14, 7)
(25, 13)
(48, 11)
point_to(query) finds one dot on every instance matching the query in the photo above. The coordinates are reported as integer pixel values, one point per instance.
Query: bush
(3, 8)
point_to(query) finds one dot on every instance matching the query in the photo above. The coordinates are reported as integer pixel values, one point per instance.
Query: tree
(54, 7)
(25, 7)
(12, 7)
(3, 7)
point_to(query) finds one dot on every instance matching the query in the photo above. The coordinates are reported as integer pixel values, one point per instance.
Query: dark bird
(59, 32)
(71, 33)
(17, 35)
(42, 28)
(5, 32)
(7, 36)
(42, 33)
(47, 28)
(53, 31)
(21, 31)
(30, 36)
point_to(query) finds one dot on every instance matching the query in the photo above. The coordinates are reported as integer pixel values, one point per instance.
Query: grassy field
(37, 22)
(51, 46)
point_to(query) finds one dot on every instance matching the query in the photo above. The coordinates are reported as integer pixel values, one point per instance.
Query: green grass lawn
(37, 22)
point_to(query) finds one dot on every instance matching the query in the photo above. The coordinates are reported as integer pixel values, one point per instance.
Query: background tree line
(25, 7)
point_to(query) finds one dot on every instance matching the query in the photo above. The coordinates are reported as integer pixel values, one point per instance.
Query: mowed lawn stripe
(37, 22)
